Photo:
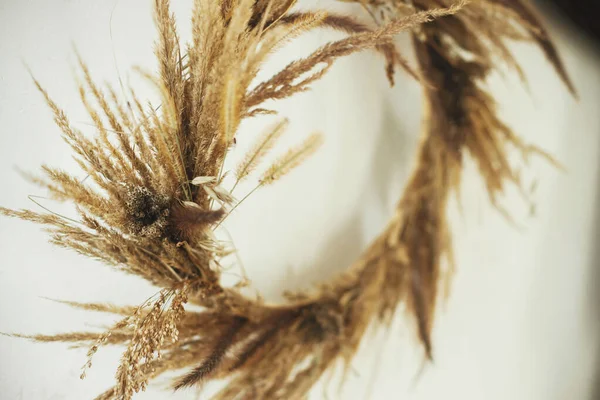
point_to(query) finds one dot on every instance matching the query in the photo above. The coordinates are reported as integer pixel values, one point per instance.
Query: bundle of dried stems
(156, 192)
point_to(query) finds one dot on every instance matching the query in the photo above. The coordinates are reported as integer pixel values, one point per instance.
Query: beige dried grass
(158, 194)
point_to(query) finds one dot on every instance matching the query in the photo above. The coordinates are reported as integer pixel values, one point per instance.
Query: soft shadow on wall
(579, 13)
(581, 16)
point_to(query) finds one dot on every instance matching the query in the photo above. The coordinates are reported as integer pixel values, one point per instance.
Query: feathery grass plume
(157, 174)
(264, 144)
(291, 159)
(349, 25)
(285, 83)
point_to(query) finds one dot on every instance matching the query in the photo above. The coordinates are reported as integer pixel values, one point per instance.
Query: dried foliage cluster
(156, 193)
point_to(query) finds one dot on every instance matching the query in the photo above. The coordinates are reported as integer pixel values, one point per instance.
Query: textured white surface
(522, 318)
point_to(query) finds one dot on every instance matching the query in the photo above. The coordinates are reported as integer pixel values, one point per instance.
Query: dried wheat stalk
(157, 191)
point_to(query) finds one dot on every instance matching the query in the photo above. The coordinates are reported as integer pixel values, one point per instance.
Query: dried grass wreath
(157, 187)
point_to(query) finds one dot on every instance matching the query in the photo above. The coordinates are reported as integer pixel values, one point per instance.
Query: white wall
(522, 319)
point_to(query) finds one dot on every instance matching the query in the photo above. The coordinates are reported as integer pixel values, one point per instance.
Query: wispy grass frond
(290, 160)
(260, 149)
